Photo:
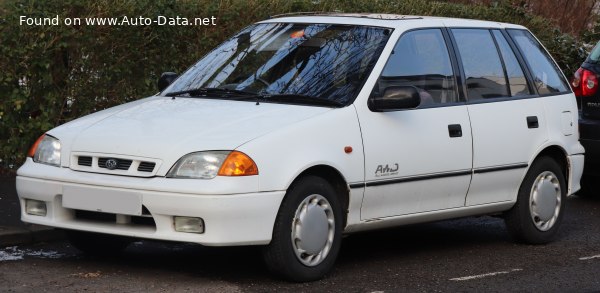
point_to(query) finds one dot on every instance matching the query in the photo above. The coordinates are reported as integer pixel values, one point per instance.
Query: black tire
(97, 244)
(522, 222)
(281, 254)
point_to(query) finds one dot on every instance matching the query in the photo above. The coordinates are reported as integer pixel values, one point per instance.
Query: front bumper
(229, 219)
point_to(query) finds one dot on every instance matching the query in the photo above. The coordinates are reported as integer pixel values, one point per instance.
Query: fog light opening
(189, 224)
(35, 207)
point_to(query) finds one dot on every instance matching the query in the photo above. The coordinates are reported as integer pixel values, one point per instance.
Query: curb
(29, 234)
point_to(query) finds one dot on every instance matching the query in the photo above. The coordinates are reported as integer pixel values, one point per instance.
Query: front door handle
(532, 122)
(454, 130)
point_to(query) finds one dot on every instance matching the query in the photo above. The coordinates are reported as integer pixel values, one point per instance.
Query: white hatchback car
(301, 128)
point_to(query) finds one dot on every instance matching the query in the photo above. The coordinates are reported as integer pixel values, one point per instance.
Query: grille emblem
(111, 164)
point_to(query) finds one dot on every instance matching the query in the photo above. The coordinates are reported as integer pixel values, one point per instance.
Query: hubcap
(313, 229)
(544, 201)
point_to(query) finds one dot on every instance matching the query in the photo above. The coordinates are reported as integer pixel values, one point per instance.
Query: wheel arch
(337, 181)
(558, 154)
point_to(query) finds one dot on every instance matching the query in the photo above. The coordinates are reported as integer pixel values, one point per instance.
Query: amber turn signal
(35, 145)
(238, 164)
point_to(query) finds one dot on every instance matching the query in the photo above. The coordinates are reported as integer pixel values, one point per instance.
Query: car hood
(167, 128)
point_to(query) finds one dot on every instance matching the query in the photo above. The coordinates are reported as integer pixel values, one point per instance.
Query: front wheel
(307, 231)
(539, 210)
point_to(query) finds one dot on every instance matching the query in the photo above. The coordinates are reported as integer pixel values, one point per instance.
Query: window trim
(462, 70)
(521, 60)
(506, 79)
(456, 65)
(459, 75)
(503, 99)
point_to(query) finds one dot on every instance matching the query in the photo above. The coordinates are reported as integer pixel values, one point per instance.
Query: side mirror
(166, 79)
(396, 98)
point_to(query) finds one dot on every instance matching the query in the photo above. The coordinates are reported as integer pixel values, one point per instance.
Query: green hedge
(53, 74)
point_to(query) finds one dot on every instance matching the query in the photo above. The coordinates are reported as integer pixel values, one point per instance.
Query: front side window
(484, 73)
(546, 74)
(289, 62)
(420, 59)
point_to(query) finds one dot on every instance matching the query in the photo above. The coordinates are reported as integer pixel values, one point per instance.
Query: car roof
(385, 20)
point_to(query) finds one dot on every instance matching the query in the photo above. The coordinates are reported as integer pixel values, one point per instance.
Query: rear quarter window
(547, 78)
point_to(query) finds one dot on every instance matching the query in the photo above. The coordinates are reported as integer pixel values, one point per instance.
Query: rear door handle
(454, 130)
(532, 122)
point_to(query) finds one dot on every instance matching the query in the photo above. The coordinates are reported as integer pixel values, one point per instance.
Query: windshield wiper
(244, 95)
(211, 91)
(294, 99)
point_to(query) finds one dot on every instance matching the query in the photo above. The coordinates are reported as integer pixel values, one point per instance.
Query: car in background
(585, 85)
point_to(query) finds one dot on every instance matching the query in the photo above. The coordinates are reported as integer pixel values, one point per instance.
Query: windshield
(595, 55)
(318, 61)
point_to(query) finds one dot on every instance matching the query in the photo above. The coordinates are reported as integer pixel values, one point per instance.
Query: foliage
(53, 74)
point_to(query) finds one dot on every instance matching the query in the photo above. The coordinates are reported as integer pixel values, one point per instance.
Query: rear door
(507, 114)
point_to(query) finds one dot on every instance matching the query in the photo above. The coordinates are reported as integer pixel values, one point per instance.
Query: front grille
(99, 217)
(121, 163)
(95, 216)
(146, 166)
(84, 161)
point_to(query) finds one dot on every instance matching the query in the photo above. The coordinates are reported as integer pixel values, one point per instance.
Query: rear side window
(484, 73)
(516, 78)
(421, 59)
(546, 74)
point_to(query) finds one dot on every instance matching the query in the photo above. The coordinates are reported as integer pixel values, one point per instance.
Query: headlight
(207, 165)
(46, 150)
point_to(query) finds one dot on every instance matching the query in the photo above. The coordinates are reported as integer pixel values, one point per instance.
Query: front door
(417, 160)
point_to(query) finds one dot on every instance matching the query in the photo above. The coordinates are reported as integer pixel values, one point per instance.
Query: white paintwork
(240, 219)
(166, 128)
(575, 172)
(501, 137)
(416, 142)
(494, 187)
(286, 152)
(568, 125)
(285, 141)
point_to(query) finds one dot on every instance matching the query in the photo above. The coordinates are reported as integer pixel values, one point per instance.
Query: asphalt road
(472, 254)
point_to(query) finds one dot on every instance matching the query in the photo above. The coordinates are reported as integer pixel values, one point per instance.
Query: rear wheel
(539, 210)
(97, 244)
(307, 232)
